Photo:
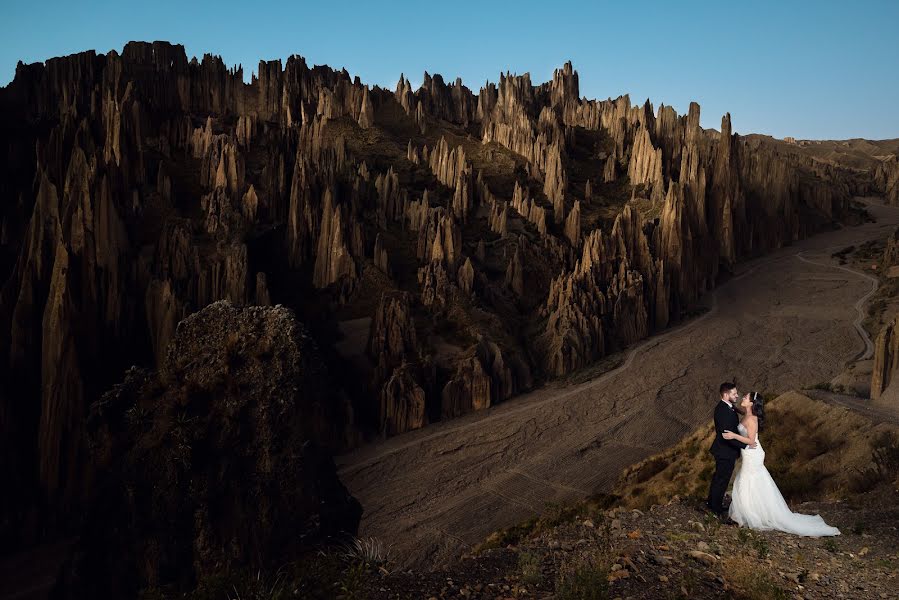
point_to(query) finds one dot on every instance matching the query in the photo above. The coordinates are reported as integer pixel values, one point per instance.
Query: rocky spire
(645, 166)
(555, 184)
(333, 260)
(886, 352)
(366, 113)
(573, 225)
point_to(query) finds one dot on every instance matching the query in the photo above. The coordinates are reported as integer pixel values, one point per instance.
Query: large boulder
(209, 464)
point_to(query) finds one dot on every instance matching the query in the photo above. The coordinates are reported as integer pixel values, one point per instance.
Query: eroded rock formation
(495, 239)
(886, 179)
(886, 363)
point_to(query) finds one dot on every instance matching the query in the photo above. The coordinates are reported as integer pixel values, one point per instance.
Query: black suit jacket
(726, 418)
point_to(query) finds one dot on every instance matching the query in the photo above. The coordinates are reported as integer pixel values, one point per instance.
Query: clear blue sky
(823, 70)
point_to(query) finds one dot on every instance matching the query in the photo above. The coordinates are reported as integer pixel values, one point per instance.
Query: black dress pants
(724, 468)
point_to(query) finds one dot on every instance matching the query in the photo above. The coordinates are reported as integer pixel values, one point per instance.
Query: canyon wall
(481, 242)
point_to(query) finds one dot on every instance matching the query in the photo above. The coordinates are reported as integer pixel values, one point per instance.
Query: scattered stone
(703, 557)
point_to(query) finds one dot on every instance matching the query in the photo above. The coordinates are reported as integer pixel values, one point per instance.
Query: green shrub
(242, 584)
(752, 582)
(884, 464)
(371, 552)
(587, 579)
(529, 568)
(761, 546)
(351, 585)
(763, 588)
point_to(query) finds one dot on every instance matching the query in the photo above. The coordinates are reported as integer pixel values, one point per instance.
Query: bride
(757, 502)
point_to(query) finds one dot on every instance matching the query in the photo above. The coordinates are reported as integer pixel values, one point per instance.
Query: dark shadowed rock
(214, 461)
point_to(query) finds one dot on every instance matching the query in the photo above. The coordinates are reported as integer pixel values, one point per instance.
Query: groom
(724, 451)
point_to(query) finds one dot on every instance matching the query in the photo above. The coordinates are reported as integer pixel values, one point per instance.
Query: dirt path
(862, 406)
(859, 304)
(780, 324)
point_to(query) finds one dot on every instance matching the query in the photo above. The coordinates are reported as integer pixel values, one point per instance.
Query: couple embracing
(756, 500)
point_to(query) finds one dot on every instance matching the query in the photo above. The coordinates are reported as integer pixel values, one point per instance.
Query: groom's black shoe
(714, 510)
(721, 514)
(726, 520)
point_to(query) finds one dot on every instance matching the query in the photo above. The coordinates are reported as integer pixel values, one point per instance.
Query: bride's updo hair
(758, 408)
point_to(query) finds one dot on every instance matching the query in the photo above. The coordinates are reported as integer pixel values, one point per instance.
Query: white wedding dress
(757, 502)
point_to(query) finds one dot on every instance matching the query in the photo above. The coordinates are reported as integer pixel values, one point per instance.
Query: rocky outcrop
(509, 374)
(215, 461)
(392, 198)
(645, 166)
(380, 256)
(886, 179)
(392, 335)
(333, 261)
(403, 402)
(890, 256)
(515, 273)
(454, 103)
(886, 352)
(555, 183)
(401, 380)
(440, 238)
(467, 391)
(499, 218)
(573, 225)
(451, 168)
(366, 113)
(435, 285)
(529, 209)
(607, 301)
(465, 277)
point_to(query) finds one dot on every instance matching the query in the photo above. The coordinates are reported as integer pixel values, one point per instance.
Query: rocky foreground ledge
(651, 538)
(673, 550)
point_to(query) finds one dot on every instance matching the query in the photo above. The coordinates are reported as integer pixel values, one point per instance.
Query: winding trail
(862, 406)
(868, 352)
(779, 324)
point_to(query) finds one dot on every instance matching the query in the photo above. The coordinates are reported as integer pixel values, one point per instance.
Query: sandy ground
(787, 321)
